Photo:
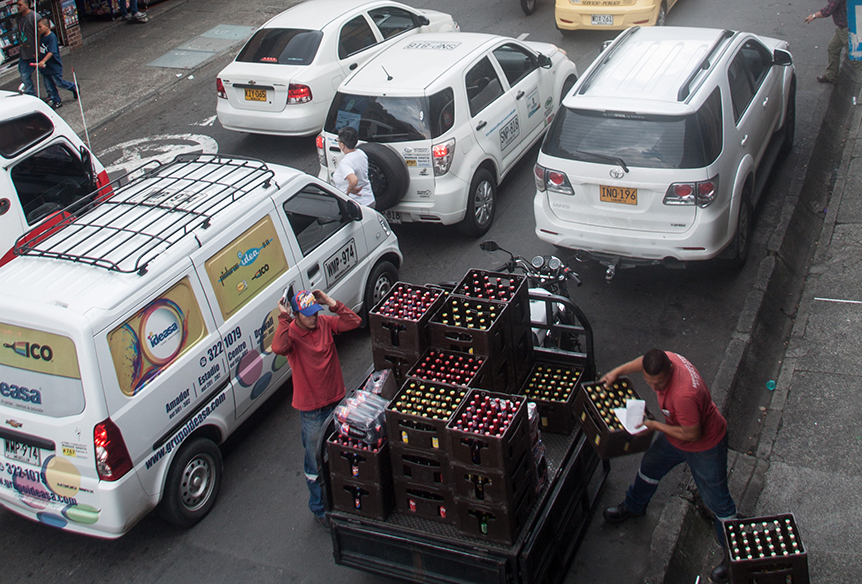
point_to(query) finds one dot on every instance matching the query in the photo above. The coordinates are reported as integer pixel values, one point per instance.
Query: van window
(314, 215)
(442, 105)
(483, 86)
(243, 268)
(145, 345)
(50, 180)
(356, 36)
(39, 372)
(281, 46)
(21, 133)
(516, 62)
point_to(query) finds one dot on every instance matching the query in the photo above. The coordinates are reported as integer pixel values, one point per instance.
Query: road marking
(839, 300)
(207, 122)
(523, 36)
(127, 156)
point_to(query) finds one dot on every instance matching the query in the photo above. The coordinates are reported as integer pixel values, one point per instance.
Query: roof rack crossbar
(605, 56)
(685, 88)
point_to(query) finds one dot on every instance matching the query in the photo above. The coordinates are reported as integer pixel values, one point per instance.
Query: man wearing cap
(307, 342)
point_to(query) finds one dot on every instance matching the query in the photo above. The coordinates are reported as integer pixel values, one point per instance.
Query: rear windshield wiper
(616, 159)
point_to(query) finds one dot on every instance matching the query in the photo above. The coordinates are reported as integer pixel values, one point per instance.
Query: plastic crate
(516, 292)
(492, 341)
(556, 412)
(490, 487)
(608, 441)
(399, 362)
(495, 522)
(355, 462)
(400, 333)
(419, 429)
(419, 500)
(787, 565)
(432, 366)
(374, 500)
(497, 452)
(421, 466)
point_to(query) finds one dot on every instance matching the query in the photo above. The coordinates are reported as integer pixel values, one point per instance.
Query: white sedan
(284, 78)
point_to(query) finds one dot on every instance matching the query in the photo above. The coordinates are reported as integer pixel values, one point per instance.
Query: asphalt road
(260, 530)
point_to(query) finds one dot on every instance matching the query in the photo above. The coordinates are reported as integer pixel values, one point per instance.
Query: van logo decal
(248, 257)
(31, 350)
(14, 423)
(163, 328)
(20, 393)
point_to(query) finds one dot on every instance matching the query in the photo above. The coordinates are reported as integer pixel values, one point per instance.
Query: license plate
(340, 263)
(23, 453)
(393, 217)
(252, 94)
(618, 195)
(603, 19)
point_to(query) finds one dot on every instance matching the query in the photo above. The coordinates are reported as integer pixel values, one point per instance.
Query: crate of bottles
(420, 466)
(489, 431)
(427, 502)
(374, 500)
(449, 367)
(554, 387)
(399, 322)
(418, 414)
(508, 289)
(356, 460)
(765, 550)
(493, 487)
(495, 522)
(594, 410)
(471, 326)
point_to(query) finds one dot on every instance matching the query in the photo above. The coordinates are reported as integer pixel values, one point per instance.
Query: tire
(742, 239)
(528, 6)
(567, 86)
(661, 19)
(193, 483)
(481, 205)
(382, 277)
(789, 121)
(387, 174)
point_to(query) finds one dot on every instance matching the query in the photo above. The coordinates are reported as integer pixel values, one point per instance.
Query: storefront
(63, 13)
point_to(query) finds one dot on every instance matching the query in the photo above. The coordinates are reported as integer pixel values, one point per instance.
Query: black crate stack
(360, 477)
(765, 550)
(554, 387)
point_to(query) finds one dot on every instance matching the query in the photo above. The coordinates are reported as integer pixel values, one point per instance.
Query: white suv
(443, 118)
(661, 151)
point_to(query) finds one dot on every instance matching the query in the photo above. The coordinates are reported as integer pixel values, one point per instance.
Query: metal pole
(81, 107)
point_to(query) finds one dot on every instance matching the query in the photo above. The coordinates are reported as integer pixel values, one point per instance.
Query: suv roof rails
(685, 88)
(125, 231)
(607, 54)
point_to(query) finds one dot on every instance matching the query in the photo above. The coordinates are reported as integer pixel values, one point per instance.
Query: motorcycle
(557, 322)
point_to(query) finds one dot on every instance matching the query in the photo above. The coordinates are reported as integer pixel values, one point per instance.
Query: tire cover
(388, 174)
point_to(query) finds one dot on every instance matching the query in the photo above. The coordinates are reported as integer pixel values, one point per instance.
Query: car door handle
(765, 101)
(481, 125)
(353, 66)
(520, 95)
(312, 271)
(334, 149)
(744, 140)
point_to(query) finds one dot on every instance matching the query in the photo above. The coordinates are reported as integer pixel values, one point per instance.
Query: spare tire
(387, 174)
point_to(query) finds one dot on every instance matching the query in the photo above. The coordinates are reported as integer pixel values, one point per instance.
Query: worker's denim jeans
(25, 70)
(312, 423)
(708, 468)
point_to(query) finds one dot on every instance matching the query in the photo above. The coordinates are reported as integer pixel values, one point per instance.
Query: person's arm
(281, 343)
(347, 319)
(828, 10)
(684, 433)
(633, 366)
(352, 181)
(41, 64)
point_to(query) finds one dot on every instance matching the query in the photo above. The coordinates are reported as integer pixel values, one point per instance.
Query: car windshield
(380, 119)
(647, 141)
(281, 46)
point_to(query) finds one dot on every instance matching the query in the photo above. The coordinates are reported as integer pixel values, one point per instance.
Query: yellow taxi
(610, 14)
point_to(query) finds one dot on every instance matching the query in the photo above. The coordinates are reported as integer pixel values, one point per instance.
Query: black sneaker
(619, 513)
(75, 93)
(323, 520)
(56, 104)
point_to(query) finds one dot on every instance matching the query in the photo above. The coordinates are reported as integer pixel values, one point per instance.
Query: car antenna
(388, 76)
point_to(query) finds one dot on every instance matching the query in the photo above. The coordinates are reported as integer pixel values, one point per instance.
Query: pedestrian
(131, 13)
(351, 175)
(694, 432)
(51, 65)
(27, 38)
(837, 9)
(306, 339)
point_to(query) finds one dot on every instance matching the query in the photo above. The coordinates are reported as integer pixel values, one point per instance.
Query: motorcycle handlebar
(573, 276)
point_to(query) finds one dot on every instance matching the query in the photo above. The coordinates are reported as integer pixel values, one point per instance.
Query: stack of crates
(491, 465)
(360, 477)
(488, 314)
(416, 422)
(399, 326)
(594, 410)
(554, 387)
(765, 550)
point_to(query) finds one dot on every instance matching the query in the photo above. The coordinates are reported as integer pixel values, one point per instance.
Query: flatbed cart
(420, 550)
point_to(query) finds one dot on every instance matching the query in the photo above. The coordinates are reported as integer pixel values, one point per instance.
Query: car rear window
(379, 118)
(281, 46)
(647, 141)
(21, 133)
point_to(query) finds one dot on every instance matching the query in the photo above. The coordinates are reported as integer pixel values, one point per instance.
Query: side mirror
(782, 58)
(354, 210)
(606, 44)
(545, 61)
(489, 246)
(423, 20)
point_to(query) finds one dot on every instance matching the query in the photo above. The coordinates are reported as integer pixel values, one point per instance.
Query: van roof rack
(125, 230)
(605, 57)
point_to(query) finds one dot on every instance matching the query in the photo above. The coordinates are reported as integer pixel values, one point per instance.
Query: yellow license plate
(255, 94)
(618, 195)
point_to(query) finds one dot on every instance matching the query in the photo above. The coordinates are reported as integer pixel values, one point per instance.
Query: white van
(137, 337)
(44, 167)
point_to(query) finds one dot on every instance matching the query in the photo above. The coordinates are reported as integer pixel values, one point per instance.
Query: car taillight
(298, 93)
(443, 155)
(320, 141)
(552, 180)
(112, 456)
(702, 193)
(220, 89)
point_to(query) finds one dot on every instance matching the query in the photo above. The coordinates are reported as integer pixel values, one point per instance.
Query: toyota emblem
(617, 173)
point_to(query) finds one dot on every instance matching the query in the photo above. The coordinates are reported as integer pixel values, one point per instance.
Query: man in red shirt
(694, 432)
(308, 343)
